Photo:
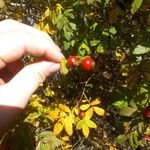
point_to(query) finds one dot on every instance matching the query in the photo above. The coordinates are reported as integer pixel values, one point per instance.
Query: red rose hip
(87, 64)
(147, 112)
(72, 61)
(81, 114)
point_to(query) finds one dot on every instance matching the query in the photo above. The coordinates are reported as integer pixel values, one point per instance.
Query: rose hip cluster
(87, 63)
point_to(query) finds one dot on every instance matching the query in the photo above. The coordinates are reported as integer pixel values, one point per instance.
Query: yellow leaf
(48, 92)
(89, 113)
(99, 111)
(85, 106)
(59, 8)
(90, 123)
(67, 147)
(80, 124)
(85, 100)
(62, 114)
(63, 66)
(68, 126)
(65, 138)
(76, 111)
(64, 108)
(85, 131)
(53, 114)
(2, 4)
(58, 128)
(95, 102)
(72, 117)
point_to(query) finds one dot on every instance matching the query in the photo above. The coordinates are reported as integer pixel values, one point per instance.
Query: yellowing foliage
(85, 130)
(64, 108)
(68, 125)
(99, 111)
(58, 128)
(89, 113)
(95, 102)
(85, 106)
(48, 19)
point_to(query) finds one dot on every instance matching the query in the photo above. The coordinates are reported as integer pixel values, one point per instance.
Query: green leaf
(120, 104)
(66, 45)
(112, 30)
(63, 66)
(72, 25)
(94, 42)
(148, 29)
(100, 48)
(121, 138)
(140, 49)
(127, 111)
(85, 47)
(135, 6)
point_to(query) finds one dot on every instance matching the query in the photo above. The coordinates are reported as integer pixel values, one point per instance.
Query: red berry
(87, 64)
(72, 61)
(147, 137)
(81, 114)
(147, 112)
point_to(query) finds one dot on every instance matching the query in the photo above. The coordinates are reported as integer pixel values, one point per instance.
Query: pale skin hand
(17, 40)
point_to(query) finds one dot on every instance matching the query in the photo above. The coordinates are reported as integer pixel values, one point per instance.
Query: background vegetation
(114, 98)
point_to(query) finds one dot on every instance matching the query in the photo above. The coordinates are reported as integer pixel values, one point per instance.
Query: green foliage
(116, 35)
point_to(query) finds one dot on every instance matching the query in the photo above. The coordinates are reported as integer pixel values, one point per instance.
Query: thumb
(19, 89)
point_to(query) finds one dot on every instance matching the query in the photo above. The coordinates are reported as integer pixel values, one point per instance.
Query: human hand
(17, 40)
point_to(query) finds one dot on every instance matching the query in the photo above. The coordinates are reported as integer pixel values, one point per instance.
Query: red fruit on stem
(147, 112)
(81, 114)
(147, 137)
(87, 64)
(72, 61)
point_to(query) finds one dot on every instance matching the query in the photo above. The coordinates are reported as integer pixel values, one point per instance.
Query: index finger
(15, 44)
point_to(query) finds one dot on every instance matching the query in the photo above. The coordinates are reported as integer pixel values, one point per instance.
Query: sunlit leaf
(120, 104)
(63, 66)
(62, 114)
(80, 124)
(127, 111)
(85, 100)
(53, 114)
(112, 30)
(48, 91)
(2, 4)
(76, 110)
(84, 106)
(99, 111)
(85, 131)
(64, 108)
(65, 138)
(121, 138)
(48, 140)
(89, 113)
(94, 42)
(100, 48)
(68, 126)
(90, 123)
(140, 49)
(95, 102)
(135, 5)
(67, 146)
(58, 128)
